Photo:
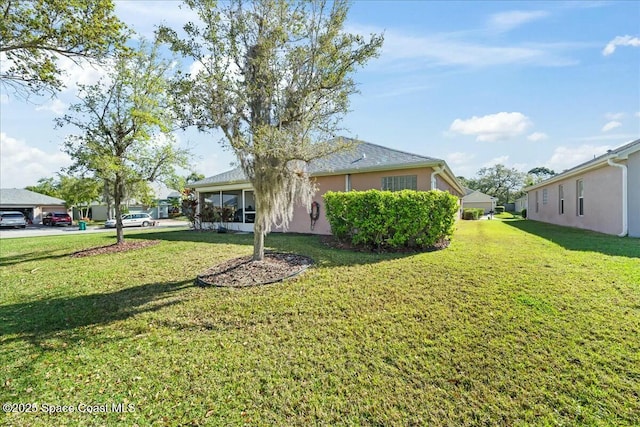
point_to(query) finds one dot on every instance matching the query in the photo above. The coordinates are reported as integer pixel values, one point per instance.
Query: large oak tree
(34, 34)
(275, 77)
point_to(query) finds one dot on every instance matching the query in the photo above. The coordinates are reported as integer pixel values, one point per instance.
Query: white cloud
(611, 125)
(402, 50)
(144, 16)
(22, 165)
(446, 50)
(567, 157)
(500, 160)
(493, 127)
(614, 116)
(506, 21)
(56, 106)
(537, 136)
(81, 72)
(620, 41)
(459, 158)
(638, 114)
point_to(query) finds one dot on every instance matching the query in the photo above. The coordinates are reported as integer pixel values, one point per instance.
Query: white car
(132, 220)
(12, 219)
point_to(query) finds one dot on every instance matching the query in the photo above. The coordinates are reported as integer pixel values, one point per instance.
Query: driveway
(40, 230)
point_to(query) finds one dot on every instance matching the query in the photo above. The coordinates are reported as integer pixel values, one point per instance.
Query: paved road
(40, 230)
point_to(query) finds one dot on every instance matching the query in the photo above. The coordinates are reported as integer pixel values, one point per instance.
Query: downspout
(436, 171)
(625, 209)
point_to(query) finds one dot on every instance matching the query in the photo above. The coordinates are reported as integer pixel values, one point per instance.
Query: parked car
(132, 220)
(54, 218)
(12, 219)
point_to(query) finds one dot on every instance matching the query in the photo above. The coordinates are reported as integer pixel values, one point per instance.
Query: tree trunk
(258, 240)
(118, 187)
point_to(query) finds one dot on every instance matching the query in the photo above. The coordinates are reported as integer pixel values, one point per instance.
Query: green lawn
(516, 323)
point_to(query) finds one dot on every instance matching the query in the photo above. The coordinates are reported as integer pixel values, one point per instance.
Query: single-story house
(478, 200)
(33, 205)
(164, 198)
(366, 166)
(602, 194)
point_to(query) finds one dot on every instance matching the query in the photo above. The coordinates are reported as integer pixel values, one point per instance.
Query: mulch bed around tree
(335, 243)
(110, 249)
(243, 272)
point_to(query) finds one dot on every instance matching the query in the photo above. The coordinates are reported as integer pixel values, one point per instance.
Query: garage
(33, 205)
(476, 199)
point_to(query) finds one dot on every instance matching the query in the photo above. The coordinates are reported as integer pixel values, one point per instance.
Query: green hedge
(472, 213)
(499, 209)
(375, 219)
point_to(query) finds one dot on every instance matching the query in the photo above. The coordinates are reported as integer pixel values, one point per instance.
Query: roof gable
(478, 196)
(20, 196)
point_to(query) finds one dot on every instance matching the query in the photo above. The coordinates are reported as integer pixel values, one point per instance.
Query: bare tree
(275, 77)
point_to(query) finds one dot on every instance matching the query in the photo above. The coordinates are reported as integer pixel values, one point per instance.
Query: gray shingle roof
(20, 196)
(364, 156)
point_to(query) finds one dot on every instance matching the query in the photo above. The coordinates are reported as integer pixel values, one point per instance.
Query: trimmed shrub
(472, 213)
(402, 219)
(523, 213)
(499, 209)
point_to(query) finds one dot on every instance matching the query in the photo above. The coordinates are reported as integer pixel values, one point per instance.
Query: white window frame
(561, 199)
(400, 182)
(580, 197)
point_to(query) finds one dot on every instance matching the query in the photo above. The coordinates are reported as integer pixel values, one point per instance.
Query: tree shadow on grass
(301, 244)
(576, 239)
(6, 261)
(37, 321)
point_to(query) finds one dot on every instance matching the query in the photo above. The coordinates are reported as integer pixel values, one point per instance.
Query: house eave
(568, 174)
(599, 162)
(245, 184)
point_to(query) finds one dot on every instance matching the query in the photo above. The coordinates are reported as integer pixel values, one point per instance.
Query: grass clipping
(243, 272)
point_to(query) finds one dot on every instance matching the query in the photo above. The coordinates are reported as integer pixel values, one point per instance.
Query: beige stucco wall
(301, 222)
(633, 191)
(602, 201)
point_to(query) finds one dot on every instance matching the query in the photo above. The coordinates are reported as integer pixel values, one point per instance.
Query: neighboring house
(478, 200)
(602, 194)
(163, 197)
(366, 166)
(521, 204)
(33, 205)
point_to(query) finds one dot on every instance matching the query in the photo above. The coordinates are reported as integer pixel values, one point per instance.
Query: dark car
(12, 219)
(52, 219)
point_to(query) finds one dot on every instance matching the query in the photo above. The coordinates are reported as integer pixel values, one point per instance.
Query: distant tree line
(505, 184)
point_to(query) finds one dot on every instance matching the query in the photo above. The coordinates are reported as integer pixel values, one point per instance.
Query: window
(347, 182)
(397, 183)
(545, 196)
(537, 200)
(561, 199)
(580, 195)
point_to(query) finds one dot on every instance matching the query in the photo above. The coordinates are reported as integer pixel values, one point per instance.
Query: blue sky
(524, 84)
